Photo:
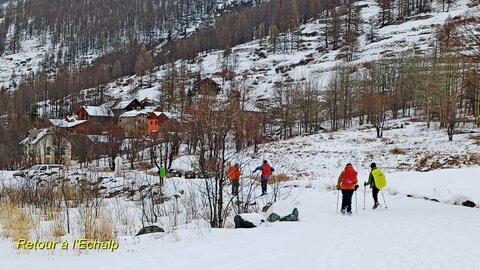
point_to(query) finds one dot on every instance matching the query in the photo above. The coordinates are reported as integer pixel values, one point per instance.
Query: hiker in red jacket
(347, 182)
(266, 173)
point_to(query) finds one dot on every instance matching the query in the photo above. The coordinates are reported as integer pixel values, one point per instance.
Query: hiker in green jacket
(371, 182)
(162, 172)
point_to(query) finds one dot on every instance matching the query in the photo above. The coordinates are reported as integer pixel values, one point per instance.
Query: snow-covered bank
(411, 234)
(443, 185)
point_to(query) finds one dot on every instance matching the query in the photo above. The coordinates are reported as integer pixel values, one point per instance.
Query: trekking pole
(338, 195)
(384, 202)
(356, 204)
(364, 194)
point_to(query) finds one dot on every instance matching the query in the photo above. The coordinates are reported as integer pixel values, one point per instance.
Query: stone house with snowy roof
(135, 122)
(47, 146)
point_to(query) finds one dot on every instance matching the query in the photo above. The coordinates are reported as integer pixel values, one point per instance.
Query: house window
(156, 122)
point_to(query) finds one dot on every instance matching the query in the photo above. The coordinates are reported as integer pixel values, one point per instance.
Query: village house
(121, 106)
(157, 119)
(96, 114)
(135, 122)
(70, 123)
(207, 86)
(47, 146)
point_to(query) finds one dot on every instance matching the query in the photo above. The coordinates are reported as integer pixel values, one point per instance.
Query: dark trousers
(235, 185)
(347, 200)
(375, 191)
(264, 184)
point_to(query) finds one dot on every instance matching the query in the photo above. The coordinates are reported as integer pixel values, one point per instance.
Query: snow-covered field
(410, 234)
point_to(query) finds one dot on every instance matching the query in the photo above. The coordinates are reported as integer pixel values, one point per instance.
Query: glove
(356, 187)
(365, 184)
(337, 187)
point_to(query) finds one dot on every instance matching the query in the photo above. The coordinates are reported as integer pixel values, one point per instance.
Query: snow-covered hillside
(36, 50)
(262, 68)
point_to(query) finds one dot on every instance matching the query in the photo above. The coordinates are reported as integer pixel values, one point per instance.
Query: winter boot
(376, 205)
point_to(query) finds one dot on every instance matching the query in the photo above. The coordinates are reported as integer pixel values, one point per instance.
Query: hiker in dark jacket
(267, 171)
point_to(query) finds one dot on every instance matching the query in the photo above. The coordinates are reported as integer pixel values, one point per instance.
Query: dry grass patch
(398, 151)
(278, 177)
(16, 221)
(475, 138)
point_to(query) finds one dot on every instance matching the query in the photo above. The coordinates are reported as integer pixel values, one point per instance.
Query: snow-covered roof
(38, 135)
(98, 111)
(133, 113)
(136, 113)
(123, 104)
(167, 114)
(63, 123)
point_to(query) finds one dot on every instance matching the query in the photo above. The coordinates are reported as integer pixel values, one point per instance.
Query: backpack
(349, 177)
(266, 170)
(379, 178)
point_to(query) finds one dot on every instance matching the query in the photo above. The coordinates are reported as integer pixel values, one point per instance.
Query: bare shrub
(95, 222)
(57, 228)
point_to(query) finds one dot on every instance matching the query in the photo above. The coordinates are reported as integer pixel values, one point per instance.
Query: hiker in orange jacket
(347, 183)
(234, 175)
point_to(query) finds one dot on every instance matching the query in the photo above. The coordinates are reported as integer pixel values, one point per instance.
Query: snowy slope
(410, 234)
(15, 67)
(416, 36)
(411, 148)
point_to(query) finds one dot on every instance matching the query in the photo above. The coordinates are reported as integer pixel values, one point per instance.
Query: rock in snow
(150, 229)
(469, 203)
(249, 220)
(283, 211)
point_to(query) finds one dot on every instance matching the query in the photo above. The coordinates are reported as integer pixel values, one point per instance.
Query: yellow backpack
(379, 178)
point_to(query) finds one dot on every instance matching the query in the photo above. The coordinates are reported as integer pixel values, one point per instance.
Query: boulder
(250, 220)
(273, 217)
(282, 211)
(469, 203)
(266, 207)
(292, 217)
(150, 229)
